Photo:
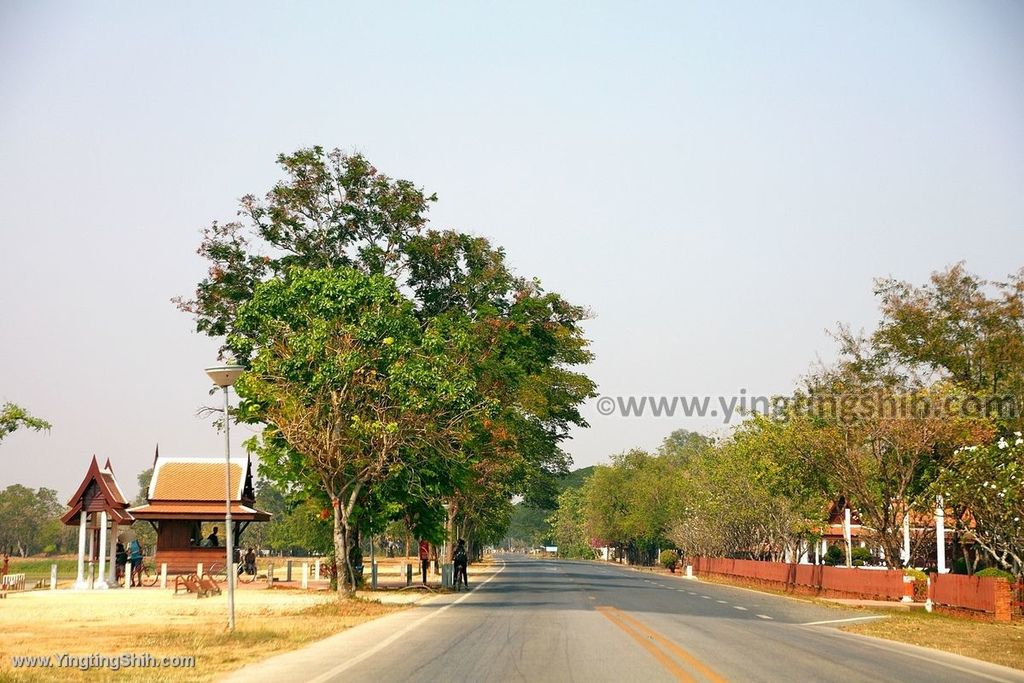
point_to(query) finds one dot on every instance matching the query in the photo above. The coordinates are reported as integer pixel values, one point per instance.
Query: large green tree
(964, 327)
(29, 519)
(336, 211)
(340, 368)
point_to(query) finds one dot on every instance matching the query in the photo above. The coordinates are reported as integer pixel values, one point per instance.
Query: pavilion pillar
(91, 578)
(112, 557)
(101, 552)
(80, 582)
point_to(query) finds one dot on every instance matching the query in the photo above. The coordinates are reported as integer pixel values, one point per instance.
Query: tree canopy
(453, 374)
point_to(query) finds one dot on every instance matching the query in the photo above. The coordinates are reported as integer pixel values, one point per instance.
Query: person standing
(424, 559)
(461, 561)
(120, 560)
(135, 558)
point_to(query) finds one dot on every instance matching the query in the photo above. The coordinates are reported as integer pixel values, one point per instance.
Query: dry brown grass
(158, 623)
(999, 643)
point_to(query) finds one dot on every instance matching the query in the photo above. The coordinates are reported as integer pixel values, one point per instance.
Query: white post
(199, 568)
(80, 581)
(848, 535)
(112, 559)
(305, 575)
(940, 535)
(53, 577)
(905, 555)
(316, 570)
(102, 551)
(163, 575)
(92, 551)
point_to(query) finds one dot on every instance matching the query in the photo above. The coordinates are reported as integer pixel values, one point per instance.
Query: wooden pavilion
(187, 491)
(98, 504)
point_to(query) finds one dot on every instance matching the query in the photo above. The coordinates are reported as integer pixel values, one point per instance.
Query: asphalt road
(554, 620)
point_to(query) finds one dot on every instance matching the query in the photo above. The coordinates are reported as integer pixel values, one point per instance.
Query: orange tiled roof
(195, 479)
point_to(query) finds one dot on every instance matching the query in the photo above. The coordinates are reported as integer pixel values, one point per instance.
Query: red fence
(808, 578)
(982, 594)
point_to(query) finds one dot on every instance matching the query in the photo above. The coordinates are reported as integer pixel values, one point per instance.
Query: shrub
(862, 556)
(835, 555)
(996, 573)
(668, 560)
(918, 575)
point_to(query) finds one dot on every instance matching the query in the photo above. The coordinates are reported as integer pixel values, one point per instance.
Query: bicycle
(218, 572)
(147, 574)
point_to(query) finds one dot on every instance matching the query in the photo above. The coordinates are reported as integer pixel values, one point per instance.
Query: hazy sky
(718, 182)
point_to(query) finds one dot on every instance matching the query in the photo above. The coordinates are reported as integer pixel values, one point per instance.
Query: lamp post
(224, 376)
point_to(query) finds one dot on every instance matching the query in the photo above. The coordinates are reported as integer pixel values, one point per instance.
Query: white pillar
(90, 580)
(316, 571)
(102, 551)
(940, 535)
(80, 583)
(163, 575)
(305, 575)
(905, 555)
(112, 558)
(848, 535)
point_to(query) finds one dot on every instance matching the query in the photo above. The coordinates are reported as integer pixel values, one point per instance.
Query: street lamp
(224, 376)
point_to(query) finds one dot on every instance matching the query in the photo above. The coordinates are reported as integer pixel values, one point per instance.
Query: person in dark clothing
(120, 560)
(461, 561)
(424, 559)
(212, 541)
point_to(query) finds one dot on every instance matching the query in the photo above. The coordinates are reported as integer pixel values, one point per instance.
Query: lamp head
(224, 375)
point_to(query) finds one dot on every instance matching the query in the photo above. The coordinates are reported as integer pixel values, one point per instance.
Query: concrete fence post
(316, 570)
(408, 574)
(199, 568)
(53, 577)
(373, 575)
(288, 572)
(908, 589)
(305, 575)
(163, 575)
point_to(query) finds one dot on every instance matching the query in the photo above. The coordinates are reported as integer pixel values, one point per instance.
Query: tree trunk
(341, 561)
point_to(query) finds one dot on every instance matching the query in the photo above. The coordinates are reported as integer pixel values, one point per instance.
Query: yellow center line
(670, 664)
(706, 671)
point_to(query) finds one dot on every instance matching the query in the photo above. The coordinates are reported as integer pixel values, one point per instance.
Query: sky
(719, 182)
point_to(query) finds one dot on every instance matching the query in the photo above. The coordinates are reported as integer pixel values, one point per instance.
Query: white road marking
(744, 609)
(706, 597)
(328, 675)
(721, 602)
(840, 621)
(763, 616)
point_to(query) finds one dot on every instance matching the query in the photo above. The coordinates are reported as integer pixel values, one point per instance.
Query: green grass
(38, 568)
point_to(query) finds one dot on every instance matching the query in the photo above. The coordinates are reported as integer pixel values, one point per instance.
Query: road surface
(556, 620)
